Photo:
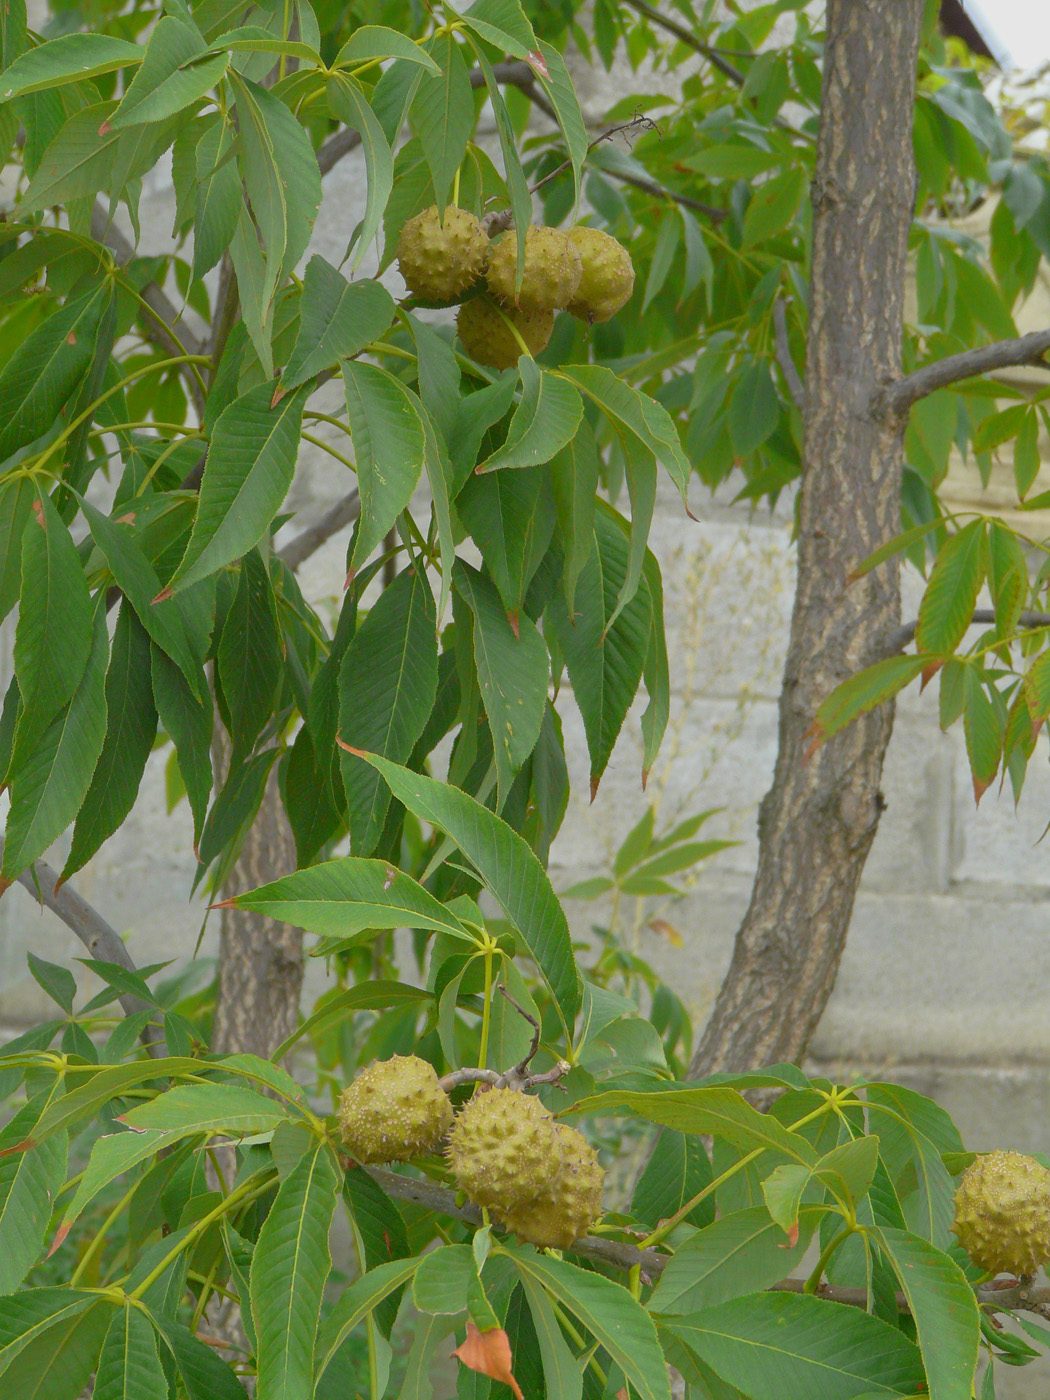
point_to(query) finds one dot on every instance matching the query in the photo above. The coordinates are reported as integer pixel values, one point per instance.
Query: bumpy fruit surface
(607, 279)
(394, 1110)
(489, 340)
(552, 270)
(571, 1203)
(440, 260)
(1002, 1213)
(504, 1148)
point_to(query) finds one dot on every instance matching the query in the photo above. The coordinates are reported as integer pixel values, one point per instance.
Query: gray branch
(101, 941)
(982, 617)
(308, 541)
(1004, 354)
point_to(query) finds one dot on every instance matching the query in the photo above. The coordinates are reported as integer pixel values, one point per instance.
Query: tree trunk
(260, 960)
(817, 822)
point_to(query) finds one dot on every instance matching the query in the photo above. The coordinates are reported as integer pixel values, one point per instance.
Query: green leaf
(513, 674)
(656, 671)
(131, 726)
(129, 1367)
(517, 184)
(508, 867)
(441, 1282)
(250, 659)
(663, 255)
(203, 1374)
(574, 476)
(53, 633)
(281, 176)
(337, 319)
(387, 685)
(188, 722)
(605, 662)
(236, 805)
(29, 1182)
(249, 468)
(349, 103)
(390, 446)
(80, 161)
(175, 73)
(773, 205)
(112, 1156)
(866, 691)
(983, 726)
(17, 495)
(787, 1346)
(1026, 454)
(562, 1373)
(47, 367)
(561, 90)
(503, 23)
(945, 1310)
(372, 41)
(356, 1302)
(634, 415)
(173, 623)
(510, 517)
(350, 896)
(754, 409)
(545, 420)
(716, 1110)
(913, 1133)
(946, 610)
(743, 1252)
(289, 1267)
(48, 787)
(442, 115)
(610, 1314)
(208, 1108)
(217, 197)
(677, 1170)
(68, 59)
(341, 1007)
(26, 1315)
(733, 162)
(57, 1365)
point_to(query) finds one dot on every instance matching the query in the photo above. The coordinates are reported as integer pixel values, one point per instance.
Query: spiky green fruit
(1002, 1213)
(442, 259)
(570, 1204)
(607, 276)
(552, 270)
(504, 1148)
(486, 337)
(394, 1110)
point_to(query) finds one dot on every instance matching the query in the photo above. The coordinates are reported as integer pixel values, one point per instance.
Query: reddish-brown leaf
(488, 1353)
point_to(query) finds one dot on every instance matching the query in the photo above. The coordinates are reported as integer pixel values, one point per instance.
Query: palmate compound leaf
(506, 864)
(289, 1267)
(787, 1346)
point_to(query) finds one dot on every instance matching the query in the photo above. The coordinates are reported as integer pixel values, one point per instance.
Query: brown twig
(784, 360)
(982, 617)
(90, 927)
(1004, 354)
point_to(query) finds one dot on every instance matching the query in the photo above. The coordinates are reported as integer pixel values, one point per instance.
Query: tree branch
(1026, 350)
(982, 617)
(101, 941)
(308, 541)
(686, 36)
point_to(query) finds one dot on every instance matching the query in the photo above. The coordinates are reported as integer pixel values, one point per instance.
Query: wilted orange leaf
(488, 1353)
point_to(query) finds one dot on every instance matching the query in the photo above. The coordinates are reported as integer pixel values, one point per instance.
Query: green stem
(813, 1282)
(247, 1191)
(100, 1239)
(328, 418)
(327, 447)
(486, 1009)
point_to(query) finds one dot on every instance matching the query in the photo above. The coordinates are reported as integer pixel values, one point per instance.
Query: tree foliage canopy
(145, 457)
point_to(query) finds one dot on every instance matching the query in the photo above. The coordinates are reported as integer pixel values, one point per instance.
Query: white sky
(1022, 27)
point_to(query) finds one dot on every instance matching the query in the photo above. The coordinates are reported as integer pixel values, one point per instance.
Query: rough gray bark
(819, 818)
(260, 960)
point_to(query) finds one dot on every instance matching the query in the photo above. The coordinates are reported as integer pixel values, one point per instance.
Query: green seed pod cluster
(571, 1203)
(442, 258)
(540, 1178)
(551, 276)
(503, 1148)
(488, 339)
(607, 275)
(393, 1111)
(1002, 1213)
